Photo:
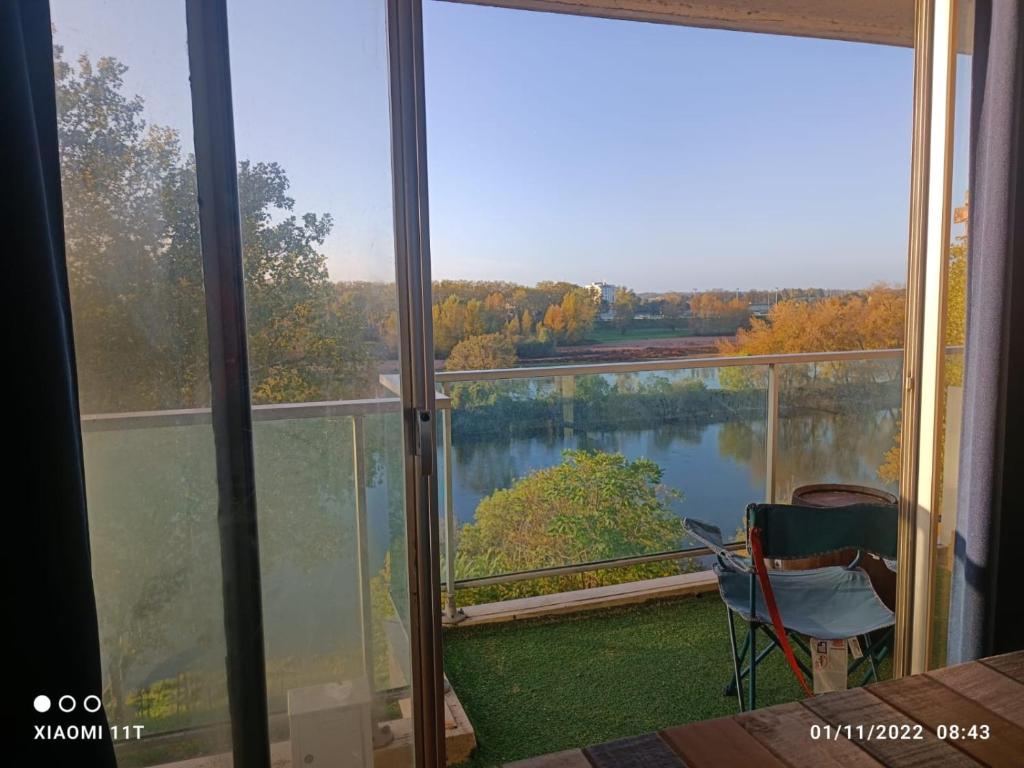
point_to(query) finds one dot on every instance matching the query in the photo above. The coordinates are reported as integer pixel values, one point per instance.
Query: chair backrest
(789, 531)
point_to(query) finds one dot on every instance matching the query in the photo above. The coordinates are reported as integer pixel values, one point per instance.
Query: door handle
(425, 440)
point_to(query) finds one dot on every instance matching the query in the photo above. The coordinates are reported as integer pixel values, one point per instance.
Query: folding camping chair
(831, 603)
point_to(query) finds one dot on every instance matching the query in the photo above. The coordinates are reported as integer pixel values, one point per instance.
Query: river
(718, 468)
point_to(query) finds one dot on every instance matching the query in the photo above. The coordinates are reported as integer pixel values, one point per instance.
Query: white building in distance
(603, 291)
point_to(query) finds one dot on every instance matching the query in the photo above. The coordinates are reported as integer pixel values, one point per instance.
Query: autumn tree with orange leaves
(869, 320)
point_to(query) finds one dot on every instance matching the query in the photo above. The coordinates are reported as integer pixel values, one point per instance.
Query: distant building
(603, 292)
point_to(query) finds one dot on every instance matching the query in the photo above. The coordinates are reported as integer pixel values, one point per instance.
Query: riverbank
(625, 350)
(630, 349)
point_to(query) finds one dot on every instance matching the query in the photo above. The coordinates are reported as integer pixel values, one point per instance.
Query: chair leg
(796, 641)
(737, 683)
(866, 658)
(871, 659)
(799, 643)
(744, 671)
(752, 632)
(874, 653)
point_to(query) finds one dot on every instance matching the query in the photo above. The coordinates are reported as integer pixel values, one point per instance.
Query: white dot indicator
(41, 703)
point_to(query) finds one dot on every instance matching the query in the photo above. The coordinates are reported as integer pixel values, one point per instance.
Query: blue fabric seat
(831, 603)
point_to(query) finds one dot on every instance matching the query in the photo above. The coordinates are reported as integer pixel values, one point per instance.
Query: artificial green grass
(940, 616)
(544, 685)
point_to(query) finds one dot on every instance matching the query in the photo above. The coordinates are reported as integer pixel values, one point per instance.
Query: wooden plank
(1010, 664)
(397, 754)
(858, 707)
(570, 758)
(648, 750)
(405, 707)
(460, 737)
(785, 731)
(715, 743)
(594, 593)
(932, 704)
(459, 734)
(993, 690)
(590, 599)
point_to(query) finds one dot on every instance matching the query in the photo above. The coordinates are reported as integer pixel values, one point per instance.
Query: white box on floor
(330, 725)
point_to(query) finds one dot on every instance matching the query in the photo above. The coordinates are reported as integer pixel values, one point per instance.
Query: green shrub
(592, 506)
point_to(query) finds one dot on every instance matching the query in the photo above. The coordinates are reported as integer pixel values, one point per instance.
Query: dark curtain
(988, 581)
(46, 539)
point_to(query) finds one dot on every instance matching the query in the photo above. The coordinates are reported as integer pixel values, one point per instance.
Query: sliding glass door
(328, 141)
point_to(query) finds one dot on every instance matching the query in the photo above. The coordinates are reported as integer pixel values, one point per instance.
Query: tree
(118, 174)
(482, 352)
(135, 271)
(526, 323)
(494, 305)
(673, 307)
(554, 320)
(716, 314)
(376, 303)
(592, 506)
(475, 322)
(870, 320)
(578, 312)
(551, 292)
(449, 324)
(476, 353)
(867, 320)
(512, 328)
(306, 343)
(624, 308)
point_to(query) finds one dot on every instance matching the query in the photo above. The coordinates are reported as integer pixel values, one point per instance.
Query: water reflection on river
(719, 468)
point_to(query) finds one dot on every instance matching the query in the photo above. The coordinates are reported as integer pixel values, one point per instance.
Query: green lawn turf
(544, 685)
(615, 336)
(940, 616)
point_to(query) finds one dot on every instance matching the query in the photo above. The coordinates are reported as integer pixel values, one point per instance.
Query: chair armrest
(711, 537)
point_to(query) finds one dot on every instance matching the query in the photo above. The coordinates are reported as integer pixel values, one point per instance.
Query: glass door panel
(136, 282)
(312, 129)
(311, 86)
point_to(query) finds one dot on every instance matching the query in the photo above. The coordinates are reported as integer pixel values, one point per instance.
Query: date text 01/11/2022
(897, 732)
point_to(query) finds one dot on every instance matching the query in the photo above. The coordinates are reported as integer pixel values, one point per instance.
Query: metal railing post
(771, 434)
(568, 386)
(451, 612)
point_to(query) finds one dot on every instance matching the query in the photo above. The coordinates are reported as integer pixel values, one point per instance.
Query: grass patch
(545, 685)
(615, 336)
(940, 616)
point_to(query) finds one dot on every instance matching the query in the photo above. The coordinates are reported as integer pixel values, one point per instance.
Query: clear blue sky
(562, 147)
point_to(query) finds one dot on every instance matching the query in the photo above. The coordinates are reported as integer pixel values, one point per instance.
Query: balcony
(721, 431)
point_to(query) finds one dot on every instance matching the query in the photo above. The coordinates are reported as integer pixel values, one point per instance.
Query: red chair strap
(773, 608)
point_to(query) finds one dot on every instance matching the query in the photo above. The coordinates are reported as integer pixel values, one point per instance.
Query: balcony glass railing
(722, 431)
(331, 520)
